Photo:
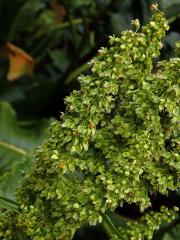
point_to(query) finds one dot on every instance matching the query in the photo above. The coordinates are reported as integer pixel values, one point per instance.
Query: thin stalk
(68, 24)
(174, 18)
(110, 228)
(76, 73)
(12, 148)
(27, 123)
(49, 35)
(61, 26)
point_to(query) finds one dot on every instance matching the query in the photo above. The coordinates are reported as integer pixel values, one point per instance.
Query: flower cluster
(152, 221)
(117, 142)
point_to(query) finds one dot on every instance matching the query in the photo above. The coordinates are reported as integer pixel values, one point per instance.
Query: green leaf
(170, 7)
(171, 39)
(166, 3)
(10, 181)
(7, 203)
(174, 232)
(60, 59)
(16, 140)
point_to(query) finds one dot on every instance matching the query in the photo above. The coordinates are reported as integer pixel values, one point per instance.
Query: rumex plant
(116, 143)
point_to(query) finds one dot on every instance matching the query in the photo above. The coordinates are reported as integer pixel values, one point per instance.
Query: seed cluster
(117, 142)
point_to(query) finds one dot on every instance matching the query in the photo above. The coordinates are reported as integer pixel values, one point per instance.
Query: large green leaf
(173, 234)
(10, 180)
(9, 204)
(167, 4)
(170, 7)
(16, 140)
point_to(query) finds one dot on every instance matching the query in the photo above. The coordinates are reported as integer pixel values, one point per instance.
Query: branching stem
(110, 228)
(12, 148)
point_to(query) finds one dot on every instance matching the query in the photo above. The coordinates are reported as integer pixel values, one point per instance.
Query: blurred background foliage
(44, 46)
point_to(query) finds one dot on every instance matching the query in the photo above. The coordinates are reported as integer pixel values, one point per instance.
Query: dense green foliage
(116, 143)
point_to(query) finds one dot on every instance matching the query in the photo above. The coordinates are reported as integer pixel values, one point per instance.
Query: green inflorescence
(145, 227)
(117, 142)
